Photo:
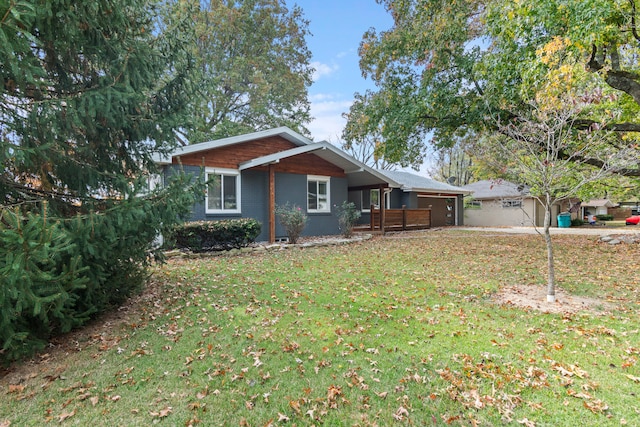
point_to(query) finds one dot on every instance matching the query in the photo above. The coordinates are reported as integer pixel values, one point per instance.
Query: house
(254, 173)
(596, 207)
(414, 192)
(502, 203)
(251, 174)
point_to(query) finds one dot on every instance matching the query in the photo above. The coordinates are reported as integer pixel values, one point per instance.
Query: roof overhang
(600, 203)
(358, 174)
(283, 132)
(440, 191)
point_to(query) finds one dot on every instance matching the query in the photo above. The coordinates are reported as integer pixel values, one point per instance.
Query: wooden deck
(400, 219)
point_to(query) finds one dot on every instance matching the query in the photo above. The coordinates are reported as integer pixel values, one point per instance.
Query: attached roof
(412, 182)
(496, 189)
(358, 173)
(600, 203)
(283, 132)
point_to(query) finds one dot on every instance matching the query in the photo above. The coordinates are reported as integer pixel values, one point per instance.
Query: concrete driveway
(584, 230)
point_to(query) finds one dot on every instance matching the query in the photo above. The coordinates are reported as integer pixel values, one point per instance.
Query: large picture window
(318, 194)
(223, 191)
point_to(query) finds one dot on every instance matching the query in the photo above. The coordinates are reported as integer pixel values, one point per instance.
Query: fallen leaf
(634, 379)
(401, 413)
(165, 412)
(66, 415)
(5, 423)
(16, 388)
(281, 418)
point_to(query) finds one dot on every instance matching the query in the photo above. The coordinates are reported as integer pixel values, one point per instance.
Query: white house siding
(493, 214)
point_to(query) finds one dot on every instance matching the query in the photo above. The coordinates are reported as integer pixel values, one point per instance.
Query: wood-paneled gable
(308, 164)
(232, 155)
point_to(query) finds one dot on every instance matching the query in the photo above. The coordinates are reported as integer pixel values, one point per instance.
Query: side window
(512, 203)
(370, 197)
(223, 191)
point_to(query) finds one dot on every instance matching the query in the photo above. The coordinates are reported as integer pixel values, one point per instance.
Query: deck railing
(400, 219)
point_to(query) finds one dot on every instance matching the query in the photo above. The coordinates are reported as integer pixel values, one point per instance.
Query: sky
(336, 28)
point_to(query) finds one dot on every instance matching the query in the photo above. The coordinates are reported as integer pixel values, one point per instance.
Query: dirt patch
(535, 298)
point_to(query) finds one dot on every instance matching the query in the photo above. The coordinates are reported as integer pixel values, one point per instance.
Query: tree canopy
(252, 69)
(447, 69)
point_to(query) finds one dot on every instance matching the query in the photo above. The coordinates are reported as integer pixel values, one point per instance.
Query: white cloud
(323, 70)
(327, 123)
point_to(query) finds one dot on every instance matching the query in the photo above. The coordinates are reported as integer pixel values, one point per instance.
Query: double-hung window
(318, 197)
(223, 191)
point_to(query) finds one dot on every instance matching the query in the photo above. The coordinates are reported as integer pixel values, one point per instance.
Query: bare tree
(453, 164)
(551, 154)
(366, 151)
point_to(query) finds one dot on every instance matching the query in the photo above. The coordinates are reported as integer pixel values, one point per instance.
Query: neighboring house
(502, 203)
(626, 209)
(414, 192)
(596, 207)
(254, 173)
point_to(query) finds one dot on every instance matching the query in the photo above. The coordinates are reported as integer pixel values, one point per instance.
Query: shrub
(348, 215)
(604, 217)
(577, 222)
(57, 272)
(200, 236)
(293, 219)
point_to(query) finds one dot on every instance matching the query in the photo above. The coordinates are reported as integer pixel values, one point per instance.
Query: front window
(223, 191)
(370, 197)
(318, 194)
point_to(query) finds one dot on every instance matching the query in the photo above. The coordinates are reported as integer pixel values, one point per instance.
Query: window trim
(229, 173)
(317, 179)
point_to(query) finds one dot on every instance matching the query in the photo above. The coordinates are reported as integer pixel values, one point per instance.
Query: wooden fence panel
(401, 219)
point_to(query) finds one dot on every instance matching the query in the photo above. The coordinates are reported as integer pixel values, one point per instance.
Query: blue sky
(336, 28)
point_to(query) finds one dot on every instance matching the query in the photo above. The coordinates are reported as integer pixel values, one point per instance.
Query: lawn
(401, 330)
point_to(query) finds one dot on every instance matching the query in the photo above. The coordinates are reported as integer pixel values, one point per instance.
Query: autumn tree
(444, 68)
(89, 92)
(551, 154)
(364, 137)
(253, 69)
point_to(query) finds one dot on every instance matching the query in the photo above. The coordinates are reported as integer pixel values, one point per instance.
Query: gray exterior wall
(292, 188)
(254, 202)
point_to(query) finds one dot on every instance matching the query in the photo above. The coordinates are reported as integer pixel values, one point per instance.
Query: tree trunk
(551, 277)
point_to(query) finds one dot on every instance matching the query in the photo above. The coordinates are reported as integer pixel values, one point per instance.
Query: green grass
(391, 331)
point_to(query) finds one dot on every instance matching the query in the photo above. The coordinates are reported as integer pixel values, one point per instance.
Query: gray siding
(290, 188)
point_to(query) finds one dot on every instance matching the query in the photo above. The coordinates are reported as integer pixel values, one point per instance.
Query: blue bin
(564, 220)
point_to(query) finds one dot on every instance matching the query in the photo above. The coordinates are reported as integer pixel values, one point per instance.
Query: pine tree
(89, 92)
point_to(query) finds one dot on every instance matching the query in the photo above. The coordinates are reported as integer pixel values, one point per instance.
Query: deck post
(404, 217)
(382, 209)
(372, 222)
(272, 204)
